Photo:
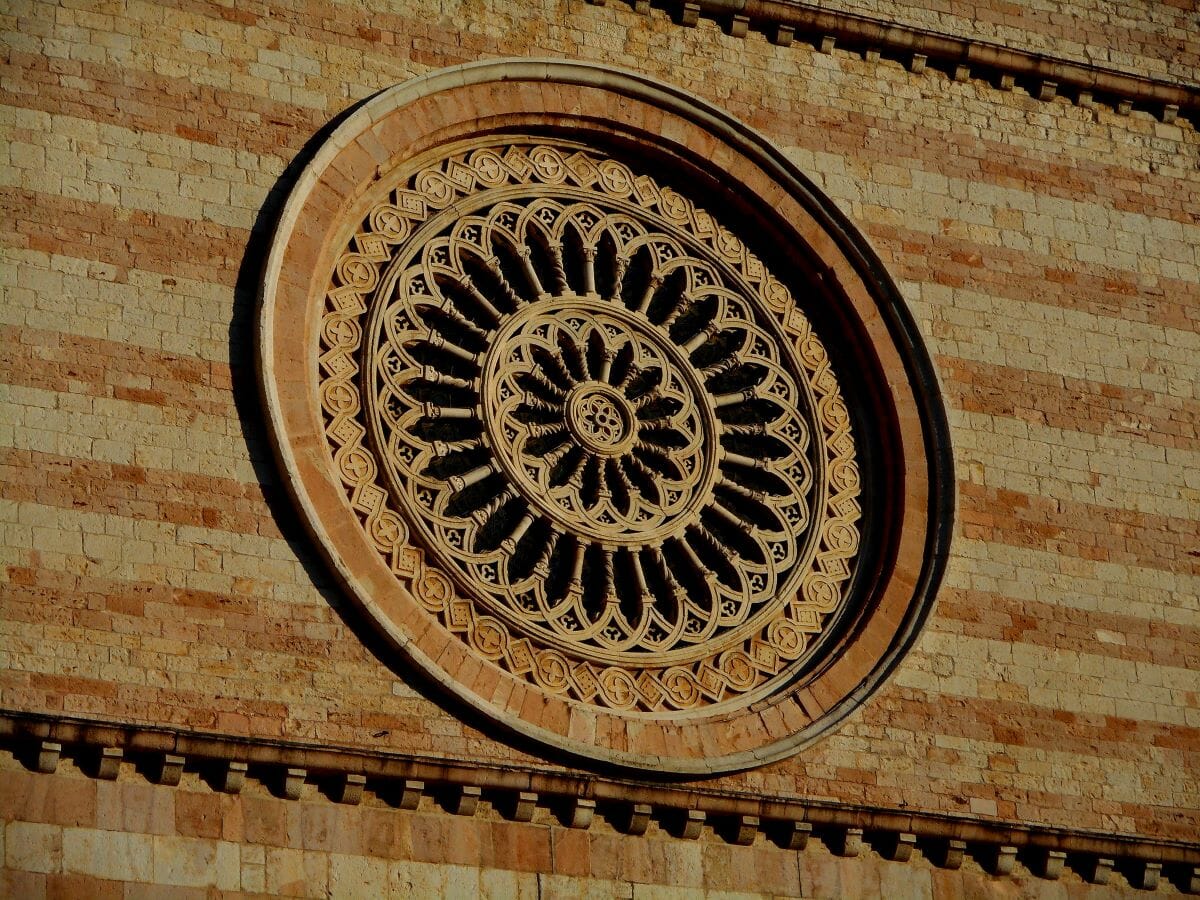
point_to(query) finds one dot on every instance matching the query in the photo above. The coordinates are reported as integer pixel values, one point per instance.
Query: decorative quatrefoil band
(615, 446)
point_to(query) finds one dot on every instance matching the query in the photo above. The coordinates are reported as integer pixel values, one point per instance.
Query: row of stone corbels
(1088, 84)
(634, 818)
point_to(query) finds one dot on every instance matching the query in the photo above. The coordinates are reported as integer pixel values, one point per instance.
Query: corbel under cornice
(1043, 75)
(399, 781)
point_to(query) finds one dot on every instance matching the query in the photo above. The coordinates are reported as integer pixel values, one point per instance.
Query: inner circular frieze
(600, 420)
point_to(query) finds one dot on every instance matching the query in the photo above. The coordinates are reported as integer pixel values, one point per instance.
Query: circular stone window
(606, 418)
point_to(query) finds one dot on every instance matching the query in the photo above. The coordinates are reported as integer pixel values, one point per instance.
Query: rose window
(609, 423)
(579, 395)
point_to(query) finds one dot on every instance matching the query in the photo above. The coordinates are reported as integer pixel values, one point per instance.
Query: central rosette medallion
(600, 421)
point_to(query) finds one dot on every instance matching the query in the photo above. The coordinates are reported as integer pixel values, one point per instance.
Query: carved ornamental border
(573, 446)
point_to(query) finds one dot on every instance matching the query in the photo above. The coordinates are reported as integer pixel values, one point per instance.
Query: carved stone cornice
(515, 790)
(1046, 76)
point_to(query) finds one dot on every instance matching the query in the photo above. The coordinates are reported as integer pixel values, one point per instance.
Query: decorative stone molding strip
(683, 811)
(786, 20)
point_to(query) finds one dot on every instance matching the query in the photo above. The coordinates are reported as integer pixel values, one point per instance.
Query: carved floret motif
(587, 428)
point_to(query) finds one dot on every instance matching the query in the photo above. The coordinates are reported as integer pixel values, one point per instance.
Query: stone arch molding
(608, 420)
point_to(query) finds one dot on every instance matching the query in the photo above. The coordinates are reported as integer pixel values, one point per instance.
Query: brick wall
(152, 571)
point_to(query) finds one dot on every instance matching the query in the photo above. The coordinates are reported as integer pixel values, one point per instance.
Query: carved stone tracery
(588, 429)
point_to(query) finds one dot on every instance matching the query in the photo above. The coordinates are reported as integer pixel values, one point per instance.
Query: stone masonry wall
(152, 571)
(69, 836)
(1156, 39)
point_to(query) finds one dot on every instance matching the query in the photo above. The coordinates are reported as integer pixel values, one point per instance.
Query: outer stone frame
(891, 601)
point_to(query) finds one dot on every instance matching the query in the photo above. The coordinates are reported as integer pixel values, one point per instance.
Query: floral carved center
(589, 429)
(600, 419)
(595, 418)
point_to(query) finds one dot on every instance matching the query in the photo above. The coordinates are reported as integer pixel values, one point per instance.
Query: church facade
(735, 448)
